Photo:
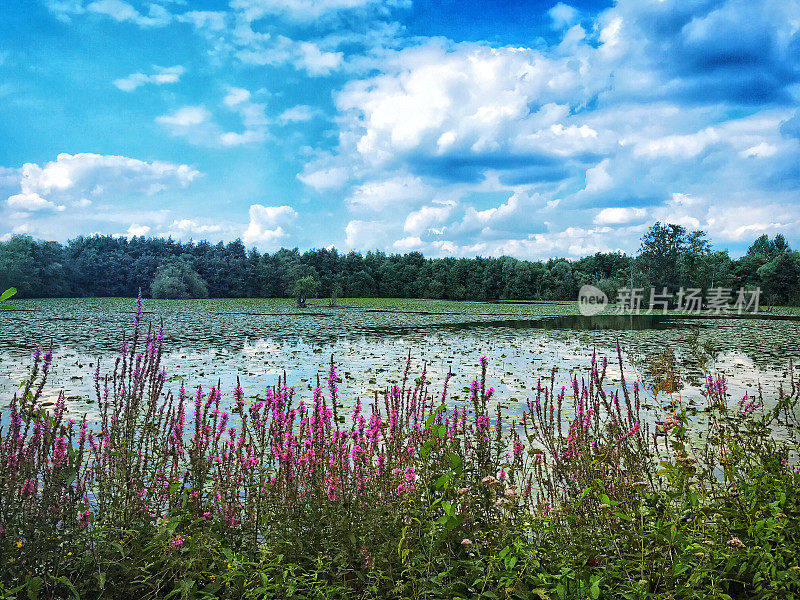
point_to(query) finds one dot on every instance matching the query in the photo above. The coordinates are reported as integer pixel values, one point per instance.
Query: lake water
(256, 340)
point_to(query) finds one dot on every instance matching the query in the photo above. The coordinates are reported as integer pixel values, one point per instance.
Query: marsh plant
(585, 494)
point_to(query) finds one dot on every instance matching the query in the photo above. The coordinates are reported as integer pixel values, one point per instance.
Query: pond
(257, 340)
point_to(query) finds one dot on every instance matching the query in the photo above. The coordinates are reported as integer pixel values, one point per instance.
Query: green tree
(780, 279)
(663, 247)
(303, 288)
(176, 279)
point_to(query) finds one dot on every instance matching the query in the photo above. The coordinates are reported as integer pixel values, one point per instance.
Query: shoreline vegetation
(104, 266)
(203, 493)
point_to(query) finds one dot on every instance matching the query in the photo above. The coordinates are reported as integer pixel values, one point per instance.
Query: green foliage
(670, 256)
(303, 288)
(5, 296)
(176, 279)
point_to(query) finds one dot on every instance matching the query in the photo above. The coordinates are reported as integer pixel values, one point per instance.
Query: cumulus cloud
(563, 15)
(268, 225)
(407, 244)
(365, 235)
(679, 111)
(426, 217)
(192, 226)
(74, 179)
(389, 193)
(618, 216)
(600, 132)
(136, 230)
(160, 76)
(323, 178)
(316, 61)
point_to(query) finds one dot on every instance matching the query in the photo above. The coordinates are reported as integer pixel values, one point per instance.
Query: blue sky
(456, 128)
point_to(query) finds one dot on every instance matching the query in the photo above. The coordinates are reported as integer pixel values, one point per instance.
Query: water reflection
(218, 340)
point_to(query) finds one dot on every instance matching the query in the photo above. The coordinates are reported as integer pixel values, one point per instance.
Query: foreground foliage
(411, 496)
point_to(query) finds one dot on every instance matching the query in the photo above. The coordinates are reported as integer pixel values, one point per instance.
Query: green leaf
(425, 450)
(432, 417)
(63, 579)
(442, 480)
(594, 589)
(455, 461)
(622, 516)
(7, 294)
(561, 591)
(34, 585)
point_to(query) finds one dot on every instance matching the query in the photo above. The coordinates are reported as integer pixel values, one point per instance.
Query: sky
(452, 127)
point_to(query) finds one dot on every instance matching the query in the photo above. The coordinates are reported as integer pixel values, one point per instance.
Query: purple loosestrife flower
(83, 519)
(139, 305)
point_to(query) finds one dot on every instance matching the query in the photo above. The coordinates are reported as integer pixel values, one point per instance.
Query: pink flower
(466, 542)
(736, 543)
(177, 543)
(83, 519)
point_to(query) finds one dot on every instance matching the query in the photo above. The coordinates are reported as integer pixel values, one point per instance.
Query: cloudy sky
(453, 127)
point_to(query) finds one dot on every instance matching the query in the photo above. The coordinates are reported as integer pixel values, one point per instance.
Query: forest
(669, 256)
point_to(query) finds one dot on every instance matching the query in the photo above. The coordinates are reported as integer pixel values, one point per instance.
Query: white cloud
(161, 76)
(618, 216)
(136, 230)
(212, 21)
(389, 193)
(71, 180)
(124, 12)
(762, 150)
(563, 15)
(30, 201)
(236, 96)
(407, 244)
(298, 114)
(365, 235)
(597, 178)
(197, 124)
(303, 10)
(185, 117)
(191, 226)
(268, 225)
(316, 61)
(426, 217)
(324, 178)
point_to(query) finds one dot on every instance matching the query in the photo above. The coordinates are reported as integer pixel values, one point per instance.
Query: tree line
(669, 256)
